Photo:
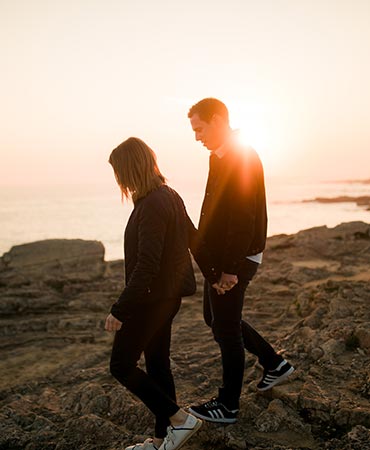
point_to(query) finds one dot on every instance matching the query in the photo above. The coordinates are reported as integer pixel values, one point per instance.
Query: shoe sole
(193, 431)
(278, 380)
(210, 419)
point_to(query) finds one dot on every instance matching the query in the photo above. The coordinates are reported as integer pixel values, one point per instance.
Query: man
(233, 224)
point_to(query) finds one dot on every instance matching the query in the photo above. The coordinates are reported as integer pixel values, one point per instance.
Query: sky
(80, 76)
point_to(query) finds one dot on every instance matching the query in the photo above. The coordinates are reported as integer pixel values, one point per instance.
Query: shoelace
(170, 436)
(211, 403)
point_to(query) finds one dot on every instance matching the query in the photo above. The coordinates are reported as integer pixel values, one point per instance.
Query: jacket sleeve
(241, 220)
(201, 253)
(152, 226)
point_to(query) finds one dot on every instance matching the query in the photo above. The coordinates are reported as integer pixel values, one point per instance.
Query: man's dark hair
(207, 107)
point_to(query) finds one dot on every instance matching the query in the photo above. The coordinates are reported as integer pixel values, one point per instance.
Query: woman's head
(135, 168)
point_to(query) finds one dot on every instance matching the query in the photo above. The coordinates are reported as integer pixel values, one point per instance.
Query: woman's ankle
(179, 418)
(157, 441)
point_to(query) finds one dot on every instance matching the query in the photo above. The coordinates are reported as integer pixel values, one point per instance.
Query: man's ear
(217, 120)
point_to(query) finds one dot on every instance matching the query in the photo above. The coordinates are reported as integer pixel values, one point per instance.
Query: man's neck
(221, 151)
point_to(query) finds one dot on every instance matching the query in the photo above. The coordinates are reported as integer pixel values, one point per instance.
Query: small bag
(189, 285)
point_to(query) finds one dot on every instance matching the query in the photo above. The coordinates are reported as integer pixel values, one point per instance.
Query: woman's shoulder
(163, 193)
(161, 198)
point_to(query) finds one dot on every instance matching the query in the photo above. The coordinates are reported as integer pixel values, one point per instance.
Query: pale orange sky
(80, 76)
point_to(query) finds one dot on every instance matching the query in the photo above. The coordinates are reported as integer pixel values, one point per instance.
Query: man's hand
(227, 281)
(112, 324)
(219, 290)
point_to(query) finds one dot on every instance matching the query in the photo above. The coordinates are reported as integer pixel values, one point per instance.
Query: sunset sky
(80, 76)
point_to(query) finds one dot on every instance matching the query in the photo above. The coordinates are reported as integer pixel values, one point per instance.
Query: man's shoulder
(244, 156)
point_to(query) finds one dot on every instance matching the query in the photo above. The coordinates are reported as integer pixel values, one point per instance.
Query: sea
(34, 213)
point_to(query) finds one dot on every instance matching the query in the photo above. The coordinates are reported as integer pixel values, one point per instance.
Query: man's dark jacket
(233, 221)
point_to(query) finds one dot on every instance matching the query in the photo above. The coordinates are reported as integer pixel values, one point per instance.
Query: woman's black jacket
(157, 260)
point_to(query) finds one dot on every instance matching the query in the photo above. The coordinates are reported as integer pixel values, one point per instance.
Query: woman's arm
(152, 226)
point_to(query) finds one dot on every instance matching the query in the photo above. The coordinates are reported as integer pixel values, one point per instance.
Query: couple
(228, 249)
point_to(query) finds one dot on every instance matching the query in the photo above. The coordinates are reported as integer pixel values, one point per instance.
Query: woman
(158, 273)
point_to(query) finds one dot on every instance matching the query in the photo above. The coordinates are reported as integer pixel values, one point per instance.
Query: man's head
(209, 119)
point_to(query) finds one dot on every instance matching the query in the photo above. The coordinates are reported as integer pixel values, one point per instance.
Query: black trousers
(223, 313)
(148, 331)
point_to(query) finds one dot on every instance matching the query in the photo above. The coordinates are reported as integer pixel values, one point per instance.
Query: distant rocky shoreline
(363, 201)
(362, 181)
(310, 298)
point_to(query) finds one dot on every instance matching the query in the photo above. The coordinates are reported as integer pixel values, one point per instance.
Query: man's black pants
(223, 313)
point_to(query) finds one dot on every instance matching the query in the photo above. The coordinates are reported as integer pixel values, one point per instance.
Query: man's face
(208, 133)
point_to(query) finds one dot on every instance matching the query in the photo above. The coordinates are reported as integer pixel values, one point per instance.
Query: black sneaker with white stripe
(272, 377)
(214, 411)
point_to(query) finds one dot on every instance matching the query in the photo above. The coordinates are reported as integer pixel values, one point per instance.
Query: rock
(359, 434)
(271, 419)
(309, 299)
(317, 353)
(54, 260)
(90, 430)
(363, 335)
(332, 348)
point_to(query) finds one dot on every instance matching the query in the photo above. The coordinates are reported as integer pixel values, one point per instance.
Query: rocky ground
(310, 299)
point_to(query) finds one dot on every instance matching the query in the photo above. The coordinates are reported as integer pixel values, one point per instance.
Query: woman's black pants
(148, 331)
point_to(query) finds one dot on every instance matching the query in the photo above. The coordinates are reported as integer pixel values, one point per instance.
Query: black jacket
(157, 260)
(233, 221)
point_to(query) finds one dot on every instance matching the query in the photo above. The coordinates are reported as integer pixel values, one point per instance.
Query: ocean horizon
(36, 213)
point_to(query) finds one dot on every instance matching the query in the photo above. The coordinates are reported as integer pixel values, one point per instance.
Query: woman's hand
(112, 324)
(227, 281)
(220, 291)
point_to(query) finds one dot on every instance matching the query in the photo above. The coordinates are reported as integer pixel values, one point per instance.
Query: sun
(254, 131)
(254, 135)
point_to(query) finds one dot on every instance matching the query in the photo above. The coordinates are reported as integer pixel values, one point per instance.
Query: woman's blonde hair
(135, 168)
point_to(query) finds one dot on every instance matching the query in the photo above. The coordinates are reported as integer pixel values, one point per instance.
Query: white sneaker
(146, 445)
(177, 436)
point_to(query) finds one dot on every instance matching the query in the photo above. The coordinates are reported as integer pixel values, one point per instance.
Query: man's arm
(241, 220)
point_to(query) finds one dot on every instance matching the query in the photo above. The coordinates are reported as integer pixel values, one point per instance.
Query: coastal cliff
(310, 299)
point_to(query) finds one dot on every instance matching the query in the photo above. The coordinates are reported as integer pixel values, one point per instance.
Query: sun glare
(255, 136)
(253, 130)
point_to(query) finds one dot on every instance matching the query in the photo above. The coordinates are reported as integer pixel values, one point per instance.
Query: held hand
(219, 290)
(112, 324)
(227, 281)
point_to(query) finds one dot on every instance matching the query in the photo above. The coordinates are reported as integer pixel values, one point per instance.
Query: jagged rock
(309, 298)
(332, 348)
(363, 335)
(54, 261)
(317, 353)
(271, 419)
(90, 430)
(356, 439)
